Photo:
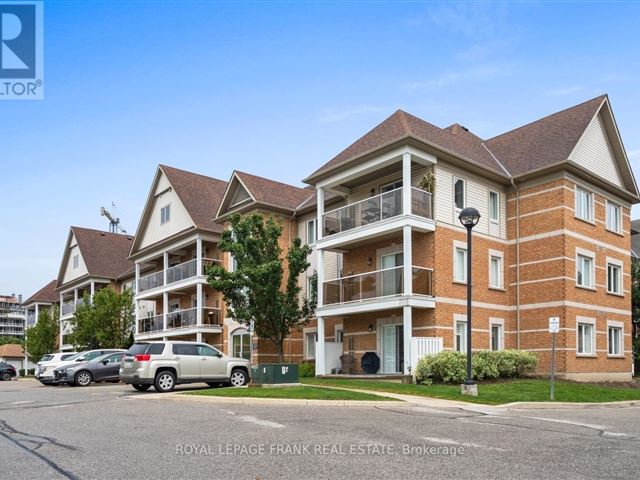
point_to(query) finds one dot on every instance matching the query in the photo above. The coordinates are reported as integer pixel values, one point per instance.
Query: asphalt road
(111, 432)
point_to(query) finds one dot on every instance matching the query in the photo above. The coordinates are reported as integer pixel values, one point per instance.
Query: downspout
(517, 189)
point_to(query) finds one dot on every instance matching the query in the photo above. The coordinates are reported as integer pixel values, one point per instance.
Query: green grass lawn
(299, 392)
(495, 393)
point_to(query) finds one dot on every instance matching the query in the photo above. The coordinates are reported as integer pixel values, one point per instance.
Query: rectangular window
(584, 204)
(494, 206)
(340, 336)
(585, 338)
(496, 337)
(584, 271)
(461, 336)
(458, 193)
(495, 272)
(310, 340)
(76, 261)
(614, 221)
(165, 214)
(460, 265)
(614, 336)
(614, 278)
(311, 232)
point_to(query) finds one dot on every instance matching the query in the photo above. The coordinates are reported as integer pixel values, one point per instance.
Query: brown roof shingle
(11, 350)
(105, 254)
(46, 294)
(274, 193)
(200, 195)
(546, 141)
(401, 124)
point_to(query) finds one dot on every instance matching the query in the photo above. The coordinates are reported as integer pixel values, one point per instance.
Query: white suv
(166, 364)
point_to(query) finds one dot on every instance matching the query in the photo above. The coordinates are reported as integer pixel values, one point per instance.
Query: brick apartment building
(554, 240)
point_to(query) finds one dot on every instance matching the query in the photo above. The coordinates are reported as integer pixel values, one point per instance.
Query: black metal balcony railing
(377, 284)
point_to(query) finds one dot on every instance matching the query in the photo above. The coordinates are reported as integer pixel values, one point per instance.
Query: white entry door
(392, 351)
(391, 279)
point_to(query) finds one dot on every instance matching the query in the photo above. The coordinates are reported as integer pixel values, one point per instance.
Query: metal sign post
(554, 328)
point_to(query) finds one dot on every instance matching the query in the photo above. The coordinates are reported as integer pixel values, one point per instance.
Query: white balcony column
(198, 256)
(320, 370)
(135, 283)
(199, 304)
(320, 211)
(165, 308)
(165, 266)
(320, 272)
(407, 326)
(407, 264)
(75, 296)
(37, 313)
(93, 290)
(406, 183)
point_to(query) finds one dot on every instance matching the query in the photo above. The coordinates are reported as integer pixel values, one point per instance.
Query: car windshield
(46, 358)
(100, 358)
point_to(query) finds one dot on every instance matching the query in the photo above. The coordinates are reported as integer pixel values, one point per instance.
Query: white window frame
(496, 322)
(620, 347)
(618, 219)
(460, 246)
(315, 231)
(620, 266)
(457, 210)
(592, 256)
(500, 256)
(306, 332)
(497, 219)
(75, 261)
(591, 322)
(165, 218)
(591, 201)
(338, 329)
(460, 319)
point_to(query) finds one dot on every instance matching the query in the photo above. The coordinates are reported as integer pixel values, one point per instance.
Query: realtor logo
(21, 50)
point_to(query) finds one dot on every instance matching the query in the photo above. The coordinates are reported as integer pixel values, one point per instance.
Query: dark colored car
(104, 368)
(7, 372)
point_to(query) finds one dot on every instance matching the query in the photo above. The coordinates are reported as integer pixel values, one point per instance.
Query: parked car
(45, 374)
(104, 368)
(7, 372)
(51, 358)
(167, 364)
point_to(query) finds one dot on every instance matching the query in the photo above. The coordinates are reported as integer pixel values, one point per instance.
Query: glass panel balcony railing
(67, 308)
(187, 270)
(151, 324)
(150, 281)
(368, 211)
(378, 284)
(375, 209)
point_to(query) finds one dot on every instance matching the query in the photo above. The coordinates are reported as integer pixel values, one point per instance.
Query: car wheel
(215, 384)
(238, 378)
(141, 388)
(83, 379)
(165, 381)
(6, 376)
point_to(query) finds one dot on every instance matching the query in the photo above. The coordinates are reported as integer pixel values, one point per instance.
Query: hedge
(306, 369)
(451, 367)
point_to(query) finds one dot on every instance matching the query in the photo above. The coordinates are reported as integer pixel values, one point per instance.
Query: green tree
(257, 288)
(42, 338)
(104, 321)
(5, 340)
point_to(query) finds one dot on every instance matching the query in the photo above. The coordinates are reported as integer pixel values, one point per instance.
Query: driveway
(108, 431)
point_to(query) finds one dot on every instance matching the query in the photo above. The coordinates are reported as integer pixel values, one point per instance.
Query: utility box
(274, 374)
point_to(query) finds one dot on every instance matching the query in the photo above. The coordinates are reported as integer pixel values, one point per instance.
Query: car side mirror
(104, 362)
(78, 360)
(219, 355)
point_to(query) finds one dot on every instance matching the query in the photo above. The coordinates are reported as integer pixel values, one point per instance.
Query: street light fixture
(469, 218)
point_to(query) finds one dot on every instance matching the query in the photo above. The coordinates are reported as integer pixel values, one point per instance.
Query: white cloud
(331, 115)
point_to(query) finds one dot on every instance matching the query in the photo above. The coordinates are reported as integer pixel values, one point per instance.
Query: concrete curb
(267, 401)
(567, 405)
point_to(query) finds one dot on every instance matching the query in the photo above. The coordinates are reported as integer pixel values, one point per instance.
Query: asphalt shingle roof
(45, 294)
(105, 254)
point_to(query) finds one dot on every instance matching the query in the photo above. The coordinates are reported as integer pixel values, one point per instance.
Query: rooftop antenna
(114, 223)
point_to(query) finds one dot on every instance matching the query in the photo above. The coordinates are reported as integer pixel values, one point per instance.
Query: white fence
(423, 346)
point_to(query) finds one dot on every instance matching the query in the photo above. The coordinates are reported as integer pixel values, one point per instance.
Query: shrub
(451, 367)
(31, 371)
(21, 372)
(306, 369)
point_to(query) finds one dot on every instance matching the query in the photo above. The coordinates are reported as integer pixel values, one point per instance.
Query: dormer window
(165, 214)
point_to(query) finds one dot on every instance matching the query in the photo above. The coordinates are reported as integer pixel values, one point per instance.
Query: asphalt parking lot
(112, 432)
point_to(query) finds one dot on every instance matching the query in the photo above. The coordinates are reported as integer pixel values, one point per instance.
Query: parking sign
(554, 324)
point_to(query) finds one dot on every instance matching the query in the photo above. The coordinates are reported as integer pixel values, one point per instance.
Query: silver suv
(166, 364)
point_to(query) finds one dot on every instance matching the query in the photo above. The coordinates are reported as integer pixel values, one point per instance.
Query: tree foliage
(105, 321)
(7, 340)
(257, 289)
(42, 338)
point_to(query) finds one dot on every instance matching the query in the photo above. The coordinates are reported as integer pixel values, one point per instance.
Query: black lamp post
(469, 217)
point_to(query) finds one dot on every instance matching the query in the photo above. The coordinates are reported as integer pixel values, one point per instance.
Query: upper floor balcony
(377, 290)
(383, 195)
(68, 308)
(179, 320)
(174, 274)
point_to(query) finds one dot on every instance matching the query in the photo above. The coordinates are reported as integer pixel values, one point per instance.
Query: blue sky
(276, 89)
